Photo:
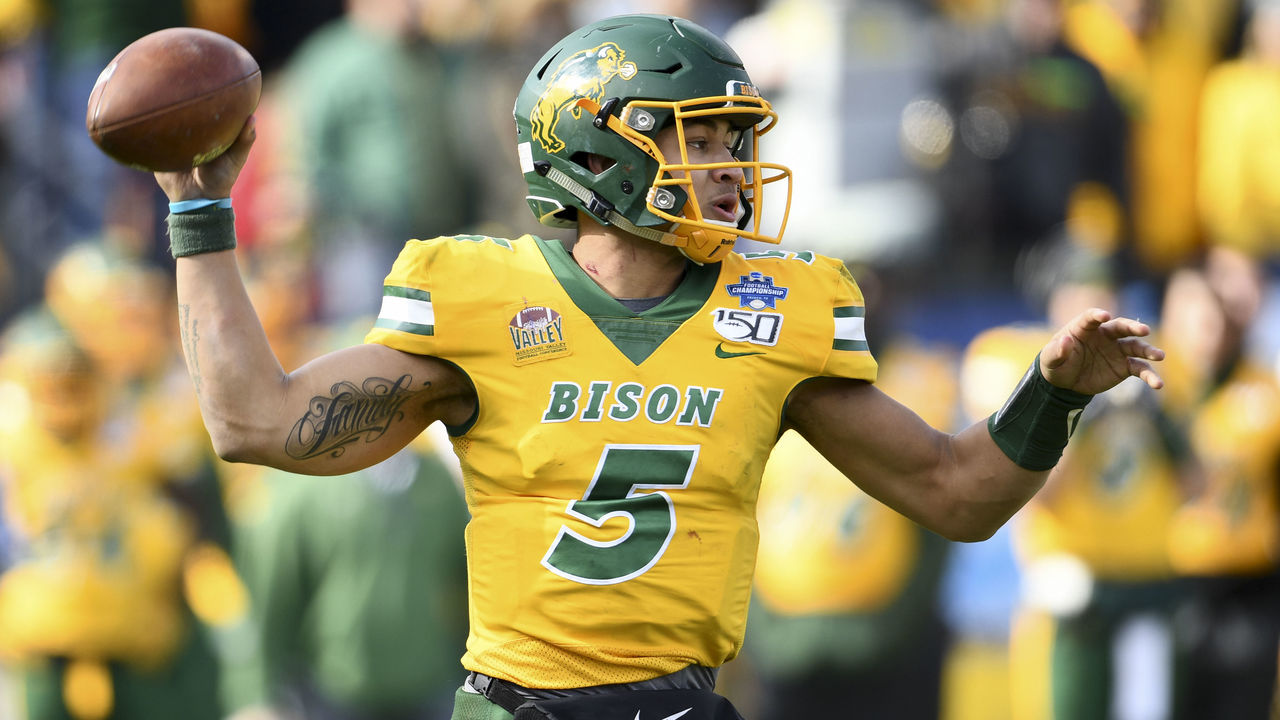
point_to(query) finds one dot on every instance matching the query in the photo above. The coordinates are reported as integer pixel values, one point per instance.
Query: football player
(96, 612)
(613, 403)
(1225, 540)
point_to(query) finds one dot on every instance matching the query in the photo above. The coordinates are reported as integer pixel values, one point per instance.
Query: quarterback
(613, 401)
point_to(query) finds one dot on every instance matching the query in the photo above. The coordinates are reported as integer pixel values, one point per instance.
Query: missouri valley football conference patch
(537, 333)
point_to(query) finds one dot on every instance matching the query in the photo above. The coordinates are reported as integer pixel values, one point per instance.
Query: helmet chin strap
(710, 241)
(603, 209)
(709, 244)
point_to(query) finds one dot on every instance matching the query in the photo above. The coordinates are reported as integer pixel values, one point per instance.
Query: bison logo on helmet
(581, 75)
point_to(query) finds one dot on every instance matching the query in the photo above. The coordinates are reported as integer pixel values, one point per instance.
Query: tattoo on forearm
(352, 413)
(187, 326)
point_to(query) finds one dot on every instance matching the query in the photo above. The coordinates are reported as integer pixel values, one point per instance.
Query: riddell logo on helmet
(581, 75)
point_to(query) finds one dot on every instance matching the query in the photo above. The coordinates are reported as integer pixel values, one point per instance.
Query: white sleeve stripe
(407, 310)
(852, 329)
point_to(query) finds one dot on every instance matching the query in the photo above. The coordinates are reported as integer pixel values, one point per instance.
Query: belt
(505, 695)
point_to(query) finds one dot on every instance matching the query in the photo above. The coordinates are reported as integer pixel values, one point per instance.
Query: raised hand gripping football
(173, 99)
(214, 178)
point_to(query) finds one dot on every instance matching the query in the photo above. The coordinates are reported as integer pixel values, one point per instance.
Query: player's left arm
(965, 486)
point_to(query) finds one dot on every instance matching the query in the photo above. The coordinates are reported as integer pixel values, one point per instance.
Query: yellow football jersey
(101, 549)
(613, 464)
(1233, 526)
(1113, 495)
(827, 547)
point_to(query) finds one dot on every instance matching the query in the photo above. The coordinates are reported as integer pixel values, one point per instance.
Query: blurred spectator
(358, 593)
(1155, 54)
(1239, 168)
(481, 41)
(278, 28)
(120, 310)
(18, 20)
(1239, 149)
(67, 190)
(846, 73)
(1226, 540)
(844, 615)
(114, 557)
(56, 187)
(1039, 139)
(371, 104)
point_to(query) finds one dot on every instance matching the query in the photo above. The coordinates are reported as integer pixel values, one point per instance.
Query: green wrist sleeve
(206, 230)
(1035, 423)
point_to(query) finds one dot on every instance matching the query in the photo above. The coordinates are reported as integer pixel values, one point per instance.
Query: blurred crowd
(986, 168)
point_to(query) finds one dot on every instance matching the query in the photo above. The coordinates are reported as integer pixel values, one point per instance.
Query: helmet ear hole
(592, 162)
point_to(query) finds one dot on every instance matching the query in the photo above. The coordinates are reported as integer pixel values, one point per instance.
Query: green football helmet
(116, 306)
(608, 89)
(48, 379)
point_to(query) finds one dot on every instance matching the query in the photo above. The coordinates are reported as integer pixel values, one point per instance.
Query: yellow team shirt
(1157, 73)
(828, 547)
(1112, 497)
(1233, 526)
(613, 464)
(1239, 159)
(101, 546)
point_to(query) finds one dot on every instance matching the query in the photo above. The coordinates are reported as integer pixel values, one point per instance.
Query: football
(173, 99)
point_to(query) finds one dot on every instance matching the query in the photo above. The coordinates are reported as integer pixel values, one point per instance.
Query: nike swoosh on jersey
(722, 353)
(680, 714)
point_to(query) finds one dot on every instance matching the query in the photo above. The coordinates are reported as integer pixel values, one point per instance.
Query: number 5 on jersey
(624, 471)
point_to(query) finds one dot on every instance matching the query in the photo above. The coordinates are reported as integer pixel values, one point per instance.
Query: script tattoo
(333, 423)
(190, 342)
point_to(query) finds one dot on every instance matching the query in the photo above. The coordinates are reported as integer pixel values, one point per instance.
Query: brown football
(173, 99)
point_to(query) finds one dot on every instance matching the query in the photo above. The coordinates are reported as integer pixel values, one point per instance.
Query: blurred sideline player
(1155, 55)
(982, 584)
(358, 593)
(1238, 175)
(1093, 638)
(96, 613)
(845, 609)
(1226, 540)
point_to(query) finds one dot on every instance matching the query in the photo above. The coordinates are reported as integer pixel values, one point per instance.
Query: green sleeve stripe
(850, 345)
(404, 292)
